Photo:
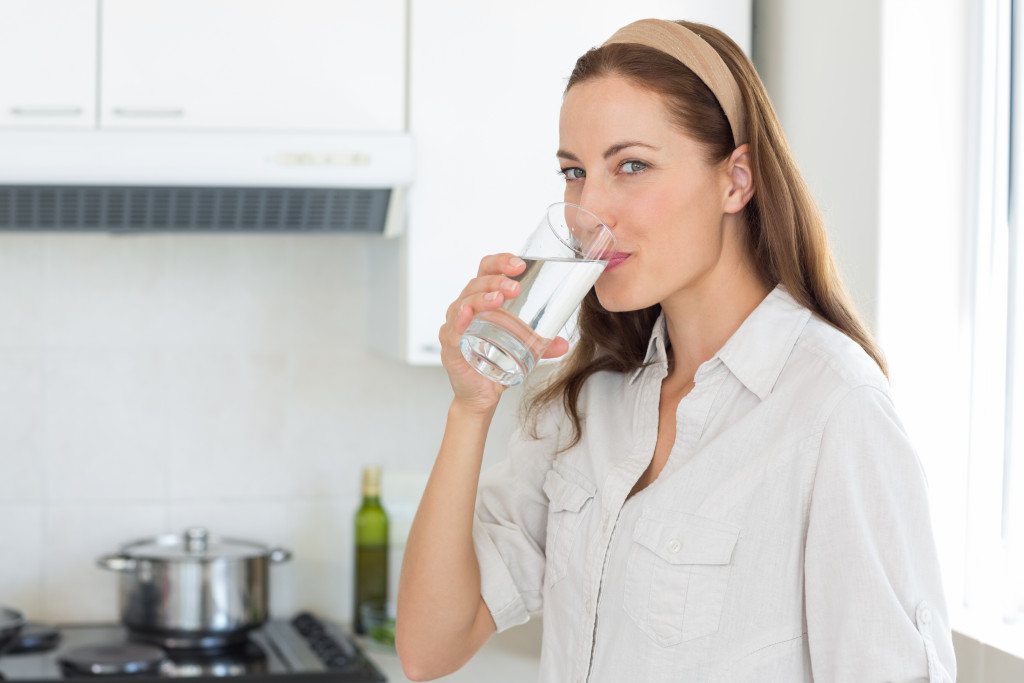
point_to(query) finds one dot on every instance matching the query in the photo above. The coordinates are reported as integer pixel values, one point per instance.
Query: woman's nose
(595, 200)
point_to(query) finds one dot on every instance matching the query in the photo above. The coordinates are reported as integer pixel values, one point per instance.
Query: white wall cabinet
(485, 84)
(310, 65)
(254, 64)
(48, 63)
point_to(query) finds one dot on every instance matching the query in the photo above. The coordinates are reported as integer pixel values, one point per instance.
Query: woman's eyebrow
(619, 146)
(610, 152)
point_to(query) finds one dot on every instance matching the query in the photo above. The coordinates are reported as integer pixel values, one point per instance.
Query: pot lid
(11, 623)
(10, 618)
(195, 543)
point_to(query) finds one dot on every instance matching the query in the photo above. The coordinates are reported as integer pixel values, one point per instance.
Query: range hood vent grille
(120, 208)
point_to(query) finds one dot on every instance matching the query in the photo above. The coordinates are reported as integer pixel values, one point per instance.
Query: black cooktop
(300, 650)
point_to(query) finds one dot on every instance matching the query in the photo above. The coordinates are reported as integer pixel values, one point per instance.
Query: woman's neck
(701, 319)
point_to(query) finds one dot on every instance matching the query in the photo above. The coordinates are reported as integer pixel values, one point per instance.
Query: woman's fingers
(506, 264)
(559, 347)
(469, 385)
(487, 288)
(486, 292)
(493, 277)
(462, 311)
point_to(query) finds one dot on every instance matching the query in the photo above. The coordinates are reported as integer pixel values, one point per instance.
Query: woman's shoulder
(835, 358)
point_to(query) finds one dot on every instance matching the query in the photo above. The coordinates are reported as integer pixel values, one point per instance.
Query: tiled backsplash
(152, 382)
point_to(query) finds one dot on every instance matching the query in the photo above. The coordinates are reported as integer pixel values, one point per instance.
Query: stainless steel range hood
(210, 181)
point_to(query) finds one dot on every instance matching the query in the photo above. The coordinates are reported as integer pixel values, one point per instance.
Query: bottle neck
(371, 483)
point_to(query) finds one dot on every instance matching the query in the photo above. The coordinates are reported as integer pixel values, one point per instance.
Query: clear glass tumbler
(564, 256)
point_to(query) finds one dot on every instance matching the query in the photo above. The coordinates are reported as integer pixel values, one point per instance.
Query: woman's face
(624, 160)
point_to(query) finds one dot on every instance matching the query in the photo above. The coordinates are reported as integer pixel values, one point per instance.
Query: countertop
(512, 656)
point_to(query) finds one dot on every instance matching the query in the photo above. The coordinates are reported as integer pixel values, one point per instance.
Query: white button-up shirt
(787, 538)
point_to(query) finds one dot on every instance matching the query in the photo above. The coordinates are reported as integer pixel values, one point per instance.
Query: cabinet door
(486, 82)
(254, 64)
(48, 63)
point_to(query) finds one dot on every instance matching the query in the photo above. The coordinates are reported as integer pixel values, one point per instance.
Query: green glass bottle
(371, 563)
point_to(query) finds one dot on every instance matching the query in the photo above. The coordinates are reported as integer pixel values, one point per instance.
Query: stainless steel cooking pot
(193, 589)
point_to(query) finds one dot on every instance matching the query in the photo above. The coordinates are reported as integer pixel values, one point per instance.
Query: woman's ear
(741, 180)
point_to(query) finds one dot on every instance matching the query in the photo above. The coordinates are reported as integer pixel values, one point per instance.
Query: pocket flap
(686, 539)
(565, 495)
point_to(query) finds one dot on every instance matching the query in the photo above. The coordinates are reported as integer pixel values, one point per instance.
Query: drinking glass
(564, 256)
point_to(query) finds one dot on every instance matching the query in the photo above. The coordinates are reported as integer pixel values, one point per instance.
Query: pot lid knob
(196, 540)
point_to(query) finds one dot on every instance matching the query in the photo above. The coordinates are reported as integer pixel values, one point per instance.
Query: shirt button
(674, 546)
(926, 616)
(589, 606)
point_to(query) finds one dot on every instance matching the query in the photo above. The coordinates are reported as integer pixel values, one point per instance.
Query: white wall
(153, 382)
(820, 62)
(924, 258)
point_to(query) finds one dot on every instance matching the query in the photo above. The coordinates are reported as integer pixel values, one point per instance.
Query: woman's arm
(874, 597)
(442, 618)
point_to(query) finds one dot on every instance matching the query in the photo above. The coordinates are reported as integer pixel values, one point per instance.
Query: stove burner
(113, 659)
(248, 658)
(172, 640)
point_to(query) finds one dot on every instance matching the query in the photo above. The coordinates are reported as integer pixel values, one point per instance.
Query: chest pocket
(677, 574)
(569, 498)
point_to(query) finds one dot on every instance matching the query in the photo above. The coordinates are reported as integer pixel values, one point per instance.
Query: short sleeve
(510, 526)
(875, 604)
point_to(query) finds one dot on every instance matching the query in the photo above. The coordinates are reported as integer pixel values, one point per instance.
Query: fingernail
(516, 262)
(508, 286)
(490, 296)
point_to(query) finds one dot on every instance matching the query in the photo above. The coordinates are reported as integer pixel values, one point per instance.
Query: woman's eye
(633, 166)
(573, 173)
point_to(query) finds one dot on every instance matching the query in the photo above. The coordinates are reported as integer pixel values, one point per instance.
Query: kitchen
(152, 382)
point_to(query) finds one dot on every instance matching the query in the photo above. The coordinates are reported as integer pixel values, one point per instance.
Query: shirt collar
(655, 348)
(758, 350)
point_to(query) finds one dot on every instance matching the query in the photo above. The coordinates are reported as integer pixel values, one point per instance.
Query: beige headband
(680, 42)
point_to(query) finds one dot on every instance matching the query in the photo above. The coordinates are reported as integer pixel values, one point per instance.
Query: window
(995, 525)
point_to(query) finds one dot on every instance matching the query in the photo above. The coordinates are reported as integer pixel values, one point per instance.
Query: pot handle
(117, 562)
(278, 555)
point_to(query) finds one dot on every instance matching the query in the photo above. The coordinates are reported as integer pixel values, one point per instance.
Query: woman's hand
(486, 292)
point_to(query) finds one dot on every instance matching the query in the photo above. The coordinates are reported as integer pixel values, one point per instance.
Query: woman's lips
(615, 260)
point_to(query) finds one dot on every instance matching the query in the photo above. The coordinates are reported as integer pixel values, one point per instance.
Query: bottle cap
(371, 481)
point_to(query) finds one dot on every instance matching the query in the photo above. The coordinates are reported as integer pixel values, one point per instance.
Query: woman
(715, 485)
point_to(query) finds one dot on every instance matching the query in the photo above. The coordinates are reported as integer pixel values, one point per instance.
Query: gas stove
(301, 650)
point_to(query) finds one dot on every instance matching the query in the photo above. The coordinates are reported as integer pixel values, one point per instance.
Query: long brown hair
(786, 231)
